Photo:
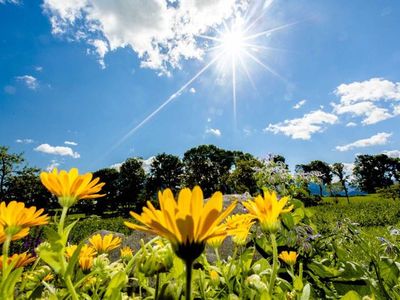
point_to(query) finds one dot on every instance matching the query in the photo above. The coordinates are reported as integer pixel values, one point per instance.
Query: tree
(166, 171)
(208, 166)
(109, 203)
(25, 185)
(242, 179)
(322, 168)
(375, 171)
(131, 183)
(9, 164)
(389, 192)
(338, 170)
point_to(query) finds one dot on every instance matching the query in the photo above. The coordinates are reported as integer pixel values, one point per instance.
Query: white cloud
(192, 90)
(30, 81)
(381, 138)
(303, 128)
(299, 104)
(392, 153)
(351, 124)
(24, 141)
(57, 150)
(372, 114)
(362, 99)
(39, 68)
(396, 110)
(53, 164)
(70, 143)
(160, 33)
(374, 89)
(10, 1)
(216, 132)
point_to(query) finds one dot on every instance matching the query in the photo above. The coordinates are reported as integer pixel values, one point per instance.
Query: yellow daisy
(187, 223)
(86, 257)
(105, 243)
(19, 260)
(267, 210)
(71, 187)
(288, 257)
(16, 219)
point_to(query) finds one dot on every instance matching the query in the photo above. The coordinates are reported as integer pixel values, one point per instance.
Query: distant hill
(353, 191)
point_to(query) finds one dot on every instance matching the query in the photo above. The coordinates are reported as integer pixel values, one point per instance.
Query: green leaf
(298, 284)
(351, 295)
(247, 258)
(298, 215)
(288, 220)
(73, 260)
(305, 295)
(51, 257)
(323, 271)
(118, 282)
(389, 271)
(8, 286)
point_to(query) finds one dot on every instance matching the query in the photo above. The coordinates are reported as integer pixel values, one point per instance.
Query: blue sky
(313, 79)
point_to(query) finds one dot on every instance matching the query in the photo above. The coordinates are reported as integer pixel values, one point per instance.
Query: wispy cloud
(303, 128)
(392, 153)
(24, 141)
(161, 38)
(192, 90)
(214, 131)
(70, 143)
(57, 150)
(299, 104)
(10, 1)
(381, 138)
(53, 164)
(351, 124)
(30, 81)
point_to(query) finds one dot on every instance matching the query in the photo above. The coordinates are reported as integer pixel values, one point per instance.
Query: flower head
(105, 243)
(238, 226)
(267, 210)
(187, 223)
(288, 257)
(71, 187)
(126, 253)
(86, 257)
(18, 260)
(16, 219)
(70, 250)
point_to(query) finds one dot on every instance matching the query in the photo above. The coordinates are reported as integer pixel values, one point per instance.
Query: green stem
(6, 248)
(71, 288)
(189, 265)
(62, 221)
(228, 278)
(157, 286)
(274, 263)
(217, 255)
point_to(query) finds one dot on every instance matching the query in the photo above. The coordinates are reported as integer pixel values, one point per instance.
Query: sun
(233, 42)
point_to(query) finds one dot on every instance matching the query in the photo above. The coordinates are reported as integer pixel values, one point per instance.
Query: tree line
(213, 168)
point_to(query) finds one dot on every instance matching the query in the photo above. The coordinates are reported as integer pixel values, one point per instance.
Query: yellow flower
(126, 253)
(86, 257)
(71, 187)
(70, 250)
(16, 219)
(214, 277)
(105, 243)
(48, 277)
(187, 223)
(267, 210)
(217, 241)
(18, 260)
(238, 226)
(289, 257)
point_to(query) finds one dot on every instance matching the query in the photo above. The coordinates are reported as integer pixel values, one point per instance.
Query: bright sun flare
(232, 42)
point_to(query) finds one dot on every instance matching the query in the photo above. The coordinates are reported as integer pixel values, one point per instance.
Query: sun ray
(234, 92)
(258, 34)
(166, 102)
(269, 69)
